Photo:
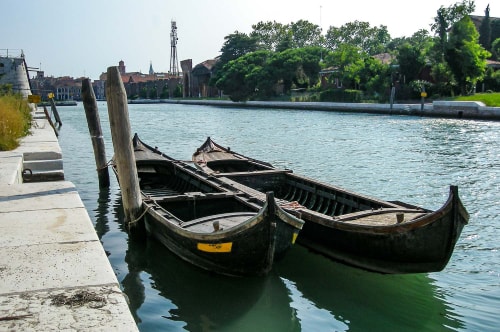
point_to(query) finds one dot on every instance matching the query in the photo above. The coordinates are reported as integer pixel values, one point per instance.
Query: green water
(410, 159)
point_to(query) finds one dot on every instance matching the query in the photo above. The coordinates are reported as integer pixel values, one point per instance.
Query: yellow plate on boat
(215, 247)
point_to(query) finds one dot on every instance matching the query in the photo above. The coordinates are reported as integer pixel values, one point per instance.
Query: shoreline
(446, 109)
(50, 247)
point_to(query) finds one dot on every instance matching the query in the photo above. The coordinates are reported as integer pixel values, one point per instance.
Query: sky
(83, 38)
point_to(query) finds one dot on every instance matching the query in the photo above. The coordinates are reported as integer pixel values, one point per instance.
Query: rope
(109, 163)
(140, 217)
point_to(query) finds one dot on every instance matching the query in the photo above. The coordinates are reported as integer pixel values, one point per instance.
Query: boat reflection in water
(304, 292)
(327, 295)
(199, 300)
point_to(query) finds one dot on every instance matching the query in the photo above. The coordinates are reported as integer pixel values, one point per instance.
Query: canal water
(404, 158)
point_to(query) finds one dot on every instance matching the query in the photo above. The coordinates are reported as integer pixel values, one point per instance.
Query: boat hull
(216, 229)
(362, 231)
(423, 245)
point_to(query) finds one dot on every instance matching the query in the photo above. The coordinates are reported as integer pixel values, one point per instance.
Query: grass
(15, 121)
(489, 99)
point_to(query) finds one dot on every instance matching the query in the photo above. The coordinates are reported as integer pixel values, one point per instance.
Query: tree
(243, 77)
(495, 48)
(348, 60)
(275, 36)
(411, 61)
(305, 33)
(465, 57)
(447, 17)
(143, 93)
(485, 30)
(236, 44)
(299, 67)
(374, 77)
(372, 40)
(153, 92)
(269, 34)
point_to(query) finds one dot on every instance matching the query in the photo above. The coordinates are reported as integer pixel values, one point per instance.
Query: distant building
(64, 88)
(201, 75)
(194, 82)
(147, 86)
(14, 71)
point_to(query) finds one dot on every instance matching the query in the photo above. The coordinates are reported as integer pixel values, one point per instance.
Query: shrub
(15, 121)
(340, 95)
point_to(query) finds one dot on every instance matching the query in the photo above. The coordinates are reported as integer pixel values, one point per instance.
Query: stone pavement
(55, 275)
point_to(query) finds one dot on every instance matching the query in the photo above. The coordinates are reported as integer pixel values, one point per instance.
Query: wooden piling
(94, 124)
(47, 115)
(54, 110)
(122, 144)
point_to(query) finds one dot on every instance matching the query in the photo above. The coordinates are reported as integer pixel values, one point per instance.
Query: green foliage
(269, 34)
(495, 48)
(293, 54)
(236, 45)
(164, 92)
(153, 92)
(15, 120)
(489, 99)
(465, 57)
(349, 61)
(273, 36)
(371, 40)
(491, 81)
(375, 79)
(242, 78)
(446, 18)
(485, 30)
(5, 89)
(178, 91)
(411, 61)
(341, 96)
(256, 74)
(305, 33)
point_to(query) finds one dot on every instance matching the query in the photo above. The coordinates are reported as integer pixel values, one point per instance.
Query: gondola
(217, 229)
(365, 232)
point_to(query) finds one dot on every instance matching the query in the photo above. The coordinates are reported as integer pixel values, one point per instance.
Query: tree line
(450, 61)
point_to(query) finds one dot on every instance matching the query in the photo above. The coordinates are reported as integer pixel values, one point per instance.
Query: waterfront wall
(446, 109)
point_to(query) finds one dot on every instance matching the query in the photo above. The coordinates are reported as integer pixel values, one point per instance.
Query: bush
(340, 95)
(15, 121)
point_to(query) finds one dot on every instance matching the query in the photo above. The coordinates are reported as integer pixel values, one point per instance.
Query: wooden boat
(373, 234)
(228, 232)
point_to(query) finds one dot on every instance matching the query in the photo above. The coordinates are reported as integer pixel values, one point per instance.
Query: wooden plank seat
(191, 196)
(224, 221)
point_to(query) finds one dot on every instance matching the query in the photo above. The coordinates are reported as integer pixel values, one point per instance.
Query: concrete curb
(54, 271)
(445, 109)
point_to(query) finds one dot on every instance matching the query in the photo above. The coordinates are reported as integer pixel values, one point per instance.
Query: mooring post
(393, 93)
(122, 144)
(47, 115)
(94, 124)
(54, 110)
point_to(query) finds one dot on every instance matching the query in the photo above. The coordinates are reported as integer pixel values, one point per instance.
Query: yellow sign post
(34, 99)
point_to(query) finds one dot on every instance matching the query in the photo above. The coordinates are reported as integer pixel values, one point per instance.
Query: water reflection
(304, 292)
(101, 213)
(360, 300)
(204, 301)
(406, 158)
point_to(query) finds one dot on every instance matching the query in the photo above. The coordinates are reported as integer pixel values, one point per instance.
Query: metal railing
(11, 52)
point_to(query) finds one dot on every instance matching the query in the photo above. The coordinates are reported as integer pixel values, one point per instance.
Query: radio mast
(174, 66)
